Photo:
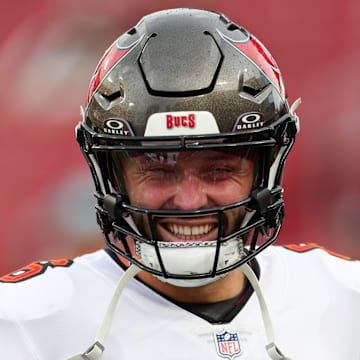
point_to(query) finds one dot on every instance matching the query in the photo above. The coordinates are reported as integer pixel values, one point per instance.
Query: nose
(190, 193)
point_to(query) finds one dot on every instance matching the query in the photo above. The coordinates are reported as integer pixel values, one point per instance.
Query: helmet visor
(186, 179)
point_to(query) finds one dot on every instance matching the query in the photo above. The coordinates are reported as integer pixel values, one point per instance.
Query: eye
(218, 173)
(160, 173)
(159, 169)
(221, 170)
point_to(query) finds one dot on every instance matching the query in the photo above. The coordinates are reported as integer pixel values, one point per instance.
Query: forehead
(190, 155)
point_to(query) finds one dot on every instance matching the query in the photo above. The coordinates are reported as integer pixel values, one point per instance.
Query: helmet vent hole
(113, 96)
(132, 31)
(251, 91)
(233, 27)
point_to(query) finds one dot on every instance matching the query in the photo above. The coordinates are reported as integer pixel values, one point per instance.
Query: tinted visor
(186, 179)
(133, 172)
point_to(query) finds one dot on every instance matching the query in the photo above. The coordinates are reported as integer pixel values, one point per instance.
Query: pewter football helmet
(186, 81)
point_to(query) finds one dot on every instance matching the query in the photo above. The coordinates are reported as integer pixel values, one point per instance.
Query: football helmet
(187, 91)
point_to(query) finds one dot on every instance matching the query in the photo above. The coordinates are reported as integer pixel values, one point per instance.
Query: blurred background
(48, 52)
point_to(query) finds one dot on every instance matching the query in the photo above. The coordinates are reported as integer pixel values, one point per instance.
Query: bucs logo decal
(181, 123)
(184, 120)
(228, 344)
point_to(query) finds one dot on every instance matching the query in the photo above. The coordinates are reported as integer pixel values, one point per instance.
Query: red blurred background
(48, 51)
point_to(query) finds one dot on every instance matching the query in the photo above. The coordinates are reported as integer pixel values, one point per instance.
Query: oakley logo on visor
(249, 121)
(117, 127)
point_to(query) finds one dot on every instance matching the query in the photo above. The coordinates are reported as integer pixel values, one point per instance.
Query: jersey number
(34, 269)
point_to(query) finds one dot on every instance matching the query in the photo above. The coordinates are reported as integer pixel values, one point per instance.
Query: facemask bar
(281, 133)
(163, 273)
(123, 230)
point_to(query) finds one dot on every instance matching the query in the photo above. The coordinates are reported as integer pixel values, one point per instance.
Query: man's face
(189, 180)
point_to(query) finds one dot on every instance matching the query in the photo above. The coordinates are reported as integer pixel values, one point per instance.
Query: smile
(189, 232)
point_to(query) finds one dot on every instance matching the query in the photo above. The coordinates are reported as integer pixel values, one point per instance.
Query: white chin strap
(190, 258)
(273, 352)
(95, 351)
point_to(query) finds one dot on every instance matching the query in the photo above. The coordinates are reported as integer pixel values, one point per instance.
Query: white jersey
(56, 309)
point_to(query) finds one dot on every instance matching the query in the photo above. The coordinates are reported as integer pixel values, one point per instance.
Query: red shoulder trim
(34, 269)
(311, 246)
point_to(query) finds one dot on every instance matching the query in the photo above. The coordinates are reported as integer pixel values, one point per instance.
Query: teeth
(195, 230)
(190, 232)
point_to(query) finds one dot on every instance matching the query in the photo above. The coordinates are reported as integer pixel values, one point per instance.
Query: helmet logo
(114, 124)
(251, 118)
(117, 127)
(184, 120)
(249, 121)
(181, 123)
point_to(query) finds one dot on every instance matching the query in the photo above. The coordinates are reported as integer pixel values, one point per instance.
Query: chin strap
(95, 351)
(272, 350)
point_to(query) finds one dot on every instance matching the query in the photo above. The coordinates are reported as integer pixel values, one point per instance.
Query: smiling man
(183, 181)
(186, 131)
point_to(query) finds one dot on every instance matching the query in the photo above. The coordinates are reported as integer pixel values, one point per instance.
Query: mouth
(185, 231)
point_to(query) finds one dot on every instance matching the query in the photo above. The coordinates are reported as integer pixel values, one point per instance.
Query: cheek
(151, 197)
(230, 191)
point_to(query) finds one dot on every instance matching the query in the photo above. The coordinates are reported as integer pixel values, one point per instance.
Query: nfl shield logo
(228, 344)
